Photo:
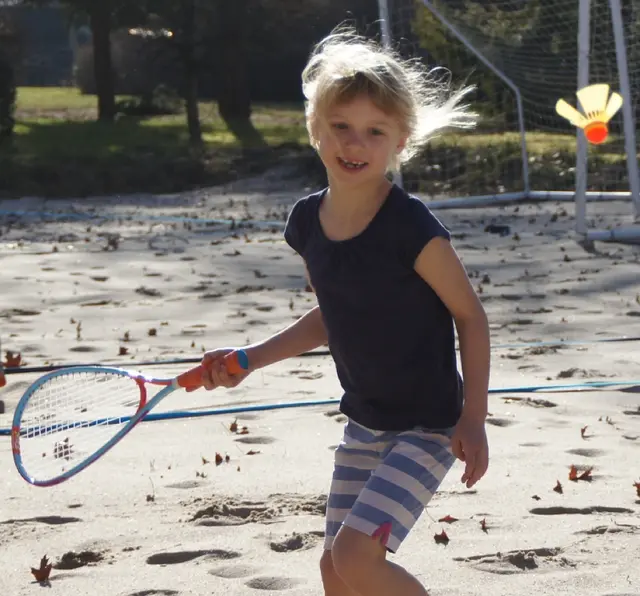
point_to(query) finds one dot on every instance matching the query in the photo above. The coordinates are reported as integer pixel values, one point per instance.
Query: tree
(7, 99)
(9, 52)
(103, 17)
(185, 22)
(234, 97)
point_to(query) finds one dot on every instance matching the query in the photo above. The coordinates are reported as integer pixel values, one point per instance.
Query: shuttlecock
(598, 108)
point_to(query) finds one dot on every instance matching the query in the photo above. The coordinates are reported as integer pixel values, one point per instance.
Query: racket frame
(144, 407)
(236, 361)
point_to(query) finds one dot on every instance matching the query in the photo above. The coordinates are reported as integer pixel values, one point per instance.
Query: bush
(163, 101)
(7, 99)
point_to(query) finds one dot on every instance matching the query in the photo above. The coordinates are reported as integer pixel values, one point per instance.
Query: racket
(69, 418)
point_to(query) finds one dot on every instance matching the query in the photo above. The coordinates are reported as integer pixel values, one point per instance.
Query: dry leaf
(447, 519)
(637, 485)
(205, 461)
(574, 476)
(252, 452)
(441, 538)
(12, 359)
(42, 574)
(227, 458)
(123, 351)
(558, 487)
(243, 431)
(483, 525)
(233, 427)
(586, 475)
(219, 459)
(583, 431)
(535, 497)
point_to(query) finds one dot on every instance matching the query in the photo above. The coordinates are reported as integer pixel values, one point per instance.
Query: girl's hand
(469, 444)
(214, 372)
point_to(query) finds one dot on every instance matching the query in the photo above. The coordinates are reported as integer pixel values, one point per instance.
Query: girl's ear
(401, 144)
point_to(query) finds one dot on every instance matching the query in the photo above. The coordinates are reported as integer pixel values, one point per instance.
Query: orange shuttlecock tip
(598, 108)
(596, 132)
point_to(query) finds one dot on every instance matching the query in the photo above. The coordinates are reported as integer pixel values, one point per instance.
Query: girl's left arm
(439, 265)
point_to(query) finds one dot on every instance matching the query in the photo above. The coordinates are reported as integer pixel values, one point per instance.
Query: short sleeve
(296, 228)
(419, 228)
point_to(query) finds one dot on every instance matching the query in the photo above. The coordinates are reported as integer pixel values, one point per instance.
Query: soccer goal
(525, 55)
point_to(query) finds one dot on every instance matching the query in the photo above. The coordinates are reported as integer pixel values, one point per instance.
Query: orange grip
(3, 378)
(235, 362)
(192, 379)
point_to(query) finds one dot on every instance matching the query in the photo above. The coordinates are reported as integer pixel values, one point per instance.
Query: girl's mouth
(352, 165)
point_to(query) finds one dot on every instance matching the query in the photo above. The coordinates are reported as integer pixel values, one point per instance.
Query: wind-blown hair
(345, 65)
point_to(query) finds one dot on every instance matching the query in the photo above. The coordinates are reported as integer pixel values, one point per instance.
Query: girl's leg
(388, 506)
(355, 459)
(361, 564)
(331, 581)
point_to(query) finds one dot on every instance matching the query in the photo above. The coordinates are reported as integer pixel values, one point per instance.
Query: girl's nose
(353, 139)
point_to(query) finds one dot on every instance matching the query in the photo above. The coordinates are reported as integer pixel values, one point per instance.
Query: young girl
(389, 287)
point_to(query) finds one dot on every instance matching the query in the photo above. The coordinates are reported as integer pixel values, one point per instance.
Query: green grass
(53, 98)
(59, 149)
(60, 123)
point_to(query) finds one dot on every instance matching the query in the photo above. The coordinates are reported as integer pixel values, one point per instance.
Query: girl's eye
(340, 125)
(376, 132)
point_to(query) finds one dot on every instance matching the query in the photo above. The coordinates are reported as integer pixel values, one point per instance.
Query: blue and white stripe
(385, 477)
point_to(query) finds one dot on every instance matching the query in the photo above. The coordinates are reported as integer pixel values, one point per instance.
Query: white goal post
(600, 54)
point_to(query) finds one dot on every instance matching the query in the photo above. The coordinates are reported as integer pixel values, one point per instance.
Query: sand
(157, 516)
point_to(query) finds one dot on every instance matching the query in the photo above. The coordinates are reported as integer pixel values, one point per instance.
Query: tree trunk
(234, 100)
(193, 110)
(189, 51)
(100, 21)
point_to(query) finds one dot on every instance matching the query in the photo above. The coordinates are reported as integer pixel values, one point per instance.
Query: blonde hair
(345, 65)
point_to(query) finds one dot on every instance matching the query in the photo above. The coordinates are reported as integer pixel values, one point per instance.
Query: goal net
(523, 55)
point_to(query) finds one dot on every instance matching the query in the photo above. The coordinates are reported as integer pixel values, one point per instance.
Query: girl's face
(357, 141)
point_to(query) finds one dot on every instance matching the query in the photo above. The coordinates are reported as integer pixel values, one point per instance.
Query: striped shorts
(383, 480)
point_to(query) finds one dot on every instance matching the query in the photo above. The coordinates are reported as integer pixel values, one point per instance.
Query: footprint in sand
(249, 440)
(296, 541)
(234, 571)
(83, 349)
(51, 520)
(578, 510)
(501, 422)
(530, 401)
(586, 452)
(617, 529)
(73, 560)
(517, 561)
(173, 558)
(336, 415)
(272, 583)
(185, 484)
(155, 593)
(229, 512)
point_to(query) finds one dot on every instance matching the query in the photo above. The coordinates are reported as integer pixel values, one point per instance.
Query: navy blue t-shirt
(390, 335)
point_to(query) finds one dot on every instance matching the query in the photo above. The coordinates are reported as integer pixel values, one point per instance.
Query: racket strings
(71, 416)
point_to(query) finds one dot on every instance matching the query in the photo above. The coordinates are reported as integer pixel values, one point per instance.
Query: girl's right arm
(307, 333)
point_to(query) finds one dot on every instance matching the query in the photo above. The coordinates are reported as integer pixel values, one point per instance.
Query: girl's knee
(354, 553)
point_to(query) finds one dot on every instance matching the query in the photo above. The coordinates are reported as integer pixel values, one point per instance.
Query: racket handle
(235, 362)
